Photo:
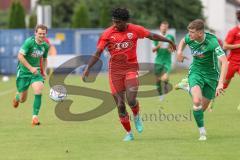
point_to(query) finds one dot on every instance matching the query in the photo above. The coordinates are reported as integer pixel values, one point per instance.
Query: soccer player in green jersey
(28, 70)
(163, 60)
(204, 79)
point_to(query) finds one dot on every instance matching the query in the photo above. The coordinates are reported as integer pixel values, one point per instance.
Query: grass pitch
(169, 132)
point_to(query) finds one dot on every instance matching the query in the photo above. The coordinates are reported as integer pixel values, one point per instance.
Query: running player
(121, 41)
(28, 70)
(163, 60)
(204, 79)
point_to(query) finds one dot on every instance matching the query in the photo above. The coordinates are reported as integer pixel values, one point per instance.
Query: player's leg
(158, 69)
(198, 110)
(183, 84)
(118, 92)
(37, 85)
(123, 114)
(131, 84)
(196, 83)
(232, 68)
(22, 85)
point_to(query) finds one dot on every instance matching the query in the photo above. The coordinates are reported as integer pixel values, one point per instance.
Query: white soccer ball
(58, 93)
(5, 78)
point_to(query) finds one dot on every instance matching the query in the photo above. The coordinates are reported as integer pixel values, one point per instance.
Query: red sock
(126, 123)
(135, 109)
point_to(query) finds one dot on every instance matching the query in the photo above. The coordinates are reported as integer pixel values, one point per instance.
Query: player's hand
(85, 73)
(33, 70)
(181, 57)
(219, 89)
(173, 46)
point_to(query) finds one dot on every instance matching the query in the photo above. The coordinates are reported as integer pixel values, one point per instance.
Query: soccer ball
(5, 78)
(58, 93)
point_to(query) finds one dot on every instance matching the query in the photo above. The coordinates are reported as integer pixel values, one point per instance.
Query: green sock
(198, 115)
(17, 97)
(37, 104)
(159, 87)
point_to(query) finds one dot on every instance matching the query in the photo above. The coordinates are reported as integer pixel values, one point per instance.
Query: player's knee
(196, 101)
(132, 102)
(122, 110)
(164, 77)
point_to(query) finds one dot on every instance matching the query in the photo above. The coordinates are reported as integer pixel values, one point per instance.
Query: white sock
(34, 116)
(202, 130)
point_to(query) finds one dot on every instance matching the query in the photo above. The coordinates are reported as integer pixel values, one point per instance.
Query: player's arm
(181, 47)
(44, 66)
(91, 63)
(227, 46)
(22, 59)
(157, 37)
(228, 43)
(224, 67)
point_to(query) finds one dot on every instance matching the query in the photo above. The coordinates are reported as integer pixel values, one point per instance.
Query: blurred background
(75, 25)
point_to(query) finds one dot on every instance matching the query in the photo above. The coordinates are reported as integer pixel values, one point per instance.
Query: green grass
(101, 138)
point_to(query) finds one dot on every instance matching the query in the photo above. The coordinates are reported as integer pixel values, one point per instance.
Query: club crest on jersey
(197, 53)
(120, 46)
(130, 35)
(37, 53)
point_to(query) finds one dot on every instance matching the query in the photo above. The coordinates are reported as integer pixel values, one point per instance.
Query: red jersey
(122, 45)
(233, 37)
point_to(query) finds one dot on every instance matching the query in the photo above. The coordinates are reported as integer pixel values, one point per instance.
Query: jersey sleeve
(230, 37)
(25, 47)
(141, 31)
(102, 41)
(219, 51)
(187, 39)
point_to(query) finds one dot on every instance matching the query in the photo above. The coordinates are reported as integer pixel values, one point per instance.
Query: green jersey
(205, 55)
(163, 54)
(32, 53)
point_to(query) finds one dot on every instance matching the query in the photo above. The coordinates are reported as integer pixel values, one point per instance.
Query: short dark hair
(43, 27)
(120, 14)
(164, 22)
(197, 24)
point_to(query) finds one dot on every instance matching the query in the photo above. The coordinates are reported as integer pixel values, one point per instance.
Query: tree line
(96, 13)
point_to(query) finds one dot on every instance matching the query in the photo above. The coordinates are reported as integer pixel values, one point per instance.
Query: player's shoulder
(108, 31)
(212, 39)
(134, 26)
(30, 39)
(210, 35)
(170, 36)
(234, 30)
(187, 39)
(46, 44)
(29, 42)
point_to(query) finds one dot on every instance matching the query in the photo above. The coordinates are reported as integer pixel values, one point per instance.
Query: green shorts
(23, 81)
(160, 69)
(207, 85)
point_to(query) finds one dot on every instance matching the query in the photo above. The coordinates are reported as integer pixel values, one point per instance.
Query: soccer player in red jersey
(121, 41)
(232, 43)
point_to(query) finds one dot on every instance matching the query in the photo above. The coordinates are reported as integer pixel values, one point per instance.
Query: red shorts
(120, 82)
(232, 69)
